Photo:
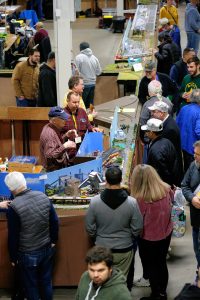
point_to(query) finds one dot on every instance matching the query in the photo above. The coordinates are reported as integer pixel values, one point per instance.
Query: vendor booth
(73, 241)
(61, 186)
(19, 135)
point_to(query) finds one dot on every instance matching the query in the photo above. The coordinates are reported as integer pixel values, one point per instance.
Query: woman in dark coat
(168, 53)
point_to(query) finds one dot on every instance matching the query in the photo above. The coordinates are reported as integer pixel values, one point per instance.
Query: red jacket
(81, 123)
(157, 223)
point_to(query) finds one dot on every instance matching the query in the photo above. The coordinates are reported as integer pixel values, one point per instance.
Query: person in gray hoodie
(113, 219)
(89, 68)
(192, 25)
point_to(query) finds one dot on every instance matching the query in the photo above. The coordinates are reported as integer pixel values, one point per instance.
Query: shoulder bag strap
(170, 14)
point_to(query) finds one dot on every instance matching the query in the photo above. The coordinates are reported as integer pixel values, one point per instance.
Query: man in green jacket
(191, 81)
(101, 281)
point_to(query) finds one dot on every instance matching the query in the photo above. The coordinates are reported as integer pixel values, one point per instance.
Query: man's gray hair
(196, 144)
(195, 96)
(155, 87)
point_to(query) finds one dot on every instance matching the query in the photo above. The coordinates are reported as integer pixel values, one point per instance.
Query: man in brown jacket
(25, 80)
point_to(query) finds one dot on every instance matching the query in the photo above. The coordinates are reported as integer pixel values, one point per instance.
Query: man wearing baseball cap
(159, 110)
(53, 150)
(161, 153)
(168, 86)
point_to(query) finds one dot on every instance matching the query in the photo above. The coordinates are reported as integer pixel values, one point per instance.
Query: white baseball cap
(153, 125)
(159, 105)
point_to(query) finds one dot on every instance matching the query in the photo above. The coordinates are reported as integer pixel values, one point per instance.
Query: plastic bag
(179, 199)
(178, 216)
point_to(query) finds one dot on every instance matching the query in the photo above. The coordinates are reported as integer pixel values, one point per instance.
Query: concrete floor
(181, 266)
(181, 263)
(103, 42)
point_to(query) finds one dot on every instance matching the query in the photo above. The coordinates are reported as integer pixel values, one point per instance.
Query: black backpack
(189, 292)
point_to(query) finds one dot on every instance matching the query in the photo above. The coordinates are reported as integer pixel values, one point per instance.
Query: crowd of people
(119, 221)
(169, 131)
(35, 84)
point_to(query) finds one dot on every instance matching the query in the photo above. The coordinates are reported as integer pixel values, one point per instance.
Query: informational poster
(92, 144)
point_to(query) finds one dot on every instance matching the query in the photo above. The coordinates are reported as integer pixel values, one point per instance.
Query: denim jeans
(38, 4)
(196, 243)
(145, 154)
(193, 41)
(36, 273)
(88, 95)
(26, 102)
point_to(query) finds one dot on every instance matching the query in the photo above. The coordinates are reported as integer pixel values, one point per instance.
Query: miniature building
(72, 188)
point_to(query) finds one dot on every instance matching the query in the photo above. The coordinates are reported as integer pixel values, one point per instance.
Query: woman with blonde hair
(155, 201)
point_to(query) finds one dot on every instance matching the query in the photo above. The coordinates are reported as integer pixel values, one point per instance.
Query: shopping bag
(178, 216)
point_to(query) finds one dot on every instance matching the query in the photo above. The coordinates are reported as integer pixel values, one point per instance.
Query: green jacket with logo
(188, 85)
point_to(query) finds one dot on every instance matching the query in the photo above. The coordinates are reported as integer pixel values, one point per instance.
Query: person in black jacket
(179, 70)
(32, 236)
(47, 83)
(12, 2)
(161, 153)
(159, 110)
(190, 188)
(168, 86)
(168, 53)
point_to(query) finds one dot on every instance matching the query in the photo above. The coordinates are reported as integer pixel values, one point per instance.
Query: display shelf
(139, 36)
(145, 18)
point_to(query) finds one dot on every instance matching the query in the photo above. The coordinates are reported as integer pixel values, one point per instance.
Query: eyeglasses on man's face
(197, 154)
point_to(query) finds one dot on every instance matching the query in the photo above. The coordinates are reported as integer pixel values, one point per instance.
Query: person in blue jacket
(36, 5)
(173, 31)
(192, 25)
(188, 121)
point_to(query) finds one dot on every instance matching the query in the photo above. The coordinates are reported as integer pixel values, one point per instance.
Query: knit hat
(153, 125)
(15, 180)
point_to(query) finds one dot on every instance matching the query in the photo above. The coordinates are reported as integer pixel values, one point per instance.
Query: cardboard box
(22, 164)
